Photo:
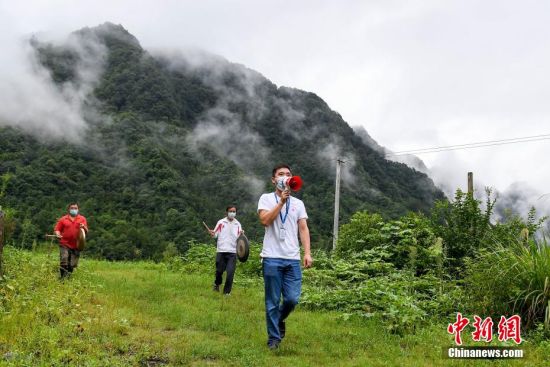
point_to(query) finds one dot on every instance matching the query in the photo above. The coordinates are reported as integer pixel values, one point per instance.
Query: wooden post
(1, 237)
(470, 183)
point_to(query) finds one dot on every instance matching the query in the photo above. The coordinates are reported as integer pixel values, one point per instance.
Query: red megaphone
(295, 183)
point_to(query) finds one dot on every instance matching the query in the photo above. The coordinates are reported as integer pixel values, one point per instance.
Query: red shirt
(68, 227)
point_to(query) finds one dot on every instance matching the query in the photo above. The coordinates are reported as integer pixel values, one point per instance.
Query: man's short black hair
(231, 206)
(71, 204)
(278, 167)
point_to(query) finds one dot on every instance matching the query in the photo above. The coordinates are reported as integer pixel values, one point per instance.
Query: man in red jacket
(67, 229)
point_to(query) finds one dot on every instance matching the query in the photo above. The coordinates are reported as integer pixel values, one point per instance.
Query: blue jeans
(281, 276)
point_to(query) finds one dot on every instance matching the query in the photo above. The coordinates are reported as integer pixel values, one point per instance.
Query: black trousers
(225, 261)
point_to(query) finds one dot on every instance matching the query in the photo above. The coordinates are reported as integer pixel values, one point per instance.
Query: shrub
(367, 283)
(362, 232)
(409, 242)
(402, 300)
(463, 225)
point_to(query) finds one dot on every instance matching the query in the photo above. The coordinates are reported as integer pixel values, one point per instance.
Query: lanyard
(283, 219)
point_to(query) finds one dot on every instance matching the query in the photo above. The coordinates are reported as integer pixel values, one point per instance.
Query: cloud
(222, 127)
(519, 198)
(222, 131)
(330, 153)
(516, 199)
(449, 173)
(415, 74)
(255, 184)
(245, 99)
(32, 102)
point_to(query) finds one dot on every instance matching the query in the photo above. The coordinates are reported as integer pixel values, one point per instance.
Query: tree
(464, 227)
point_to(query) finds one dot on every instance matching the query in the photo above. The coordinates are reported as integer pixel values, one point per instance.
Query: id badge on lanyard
(282, 230)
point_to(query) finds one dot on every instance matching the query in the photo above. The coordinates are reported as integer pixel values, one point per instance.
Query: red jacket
(68, 227)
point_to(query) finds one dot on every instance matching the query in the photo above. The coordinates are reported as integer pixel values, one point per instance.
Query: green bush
(362, 232)
(253, 266)
(403, 300)
(369, 284)
(464, 226)
(408, 242)
(513, 227)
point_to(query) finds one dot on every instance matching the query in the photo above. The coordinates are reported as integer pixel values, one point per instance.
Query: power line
(481, 144)
(435, 150)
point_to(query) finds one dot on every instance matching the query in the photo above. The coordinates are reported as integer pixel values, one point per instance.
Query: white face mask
(231, 215)
(281, 182)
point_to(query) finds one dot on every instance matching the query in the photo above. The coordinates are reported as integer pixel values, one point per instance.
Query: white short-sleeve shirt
(289, 246)
(227, 231)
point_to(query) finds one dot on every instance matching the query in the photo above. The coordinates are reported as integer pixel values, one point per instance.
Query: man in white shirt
(226, 232)
(283, 217)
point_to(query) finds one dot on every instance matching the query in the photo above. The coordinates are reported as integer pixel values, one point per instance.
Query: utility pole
(339, 163)
(470, 183)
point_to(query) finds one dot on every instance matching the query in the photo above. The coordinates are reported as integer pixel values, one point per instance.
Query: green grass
(512, 277)
(143, 314)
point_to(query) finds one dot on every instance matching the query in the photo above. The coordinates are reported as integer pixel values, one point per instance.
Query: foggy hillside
(151, 144)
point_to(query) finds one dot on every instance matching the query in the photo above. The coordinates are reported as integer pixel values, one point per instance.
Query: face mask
(281, 183)
(73, 212)
(231, 215)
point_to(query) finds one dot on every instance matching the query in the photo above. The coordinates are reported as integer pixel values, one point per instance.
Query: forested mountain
(171, 139)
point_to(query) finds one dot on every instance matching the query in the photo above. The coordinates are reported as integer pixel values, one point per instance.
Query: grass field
(143, 314)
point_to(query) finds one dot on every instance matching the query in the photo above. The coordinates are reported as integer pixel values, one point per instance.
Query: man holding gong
(226, 232)
(71, 230)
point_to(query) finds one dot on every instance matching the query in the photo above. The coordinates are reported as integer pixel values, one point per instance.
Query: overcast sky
(415, 74)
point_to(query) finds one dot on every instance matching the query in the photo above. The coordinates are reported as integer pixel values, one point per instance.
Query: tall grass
(512, 278)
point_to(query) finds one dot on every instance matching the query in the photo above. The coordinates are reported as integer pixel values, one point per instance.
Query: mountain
(408, 159)
(170, 139)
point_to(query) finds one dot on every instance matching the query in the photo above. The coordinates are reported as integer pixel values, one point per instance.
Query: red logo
(508, 328)
(457, 327)
(484, 330)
